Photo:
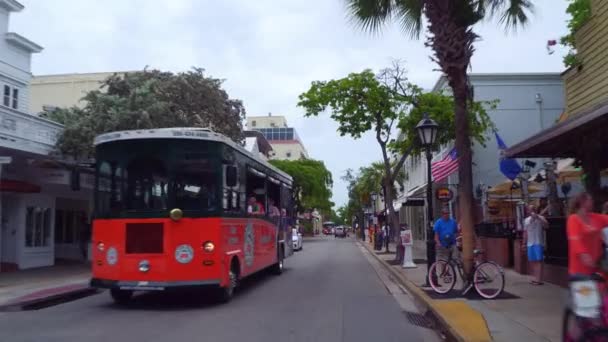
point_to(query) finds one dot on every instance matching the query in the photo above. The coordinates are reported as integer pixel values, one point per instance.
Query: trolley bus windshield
(149, 176)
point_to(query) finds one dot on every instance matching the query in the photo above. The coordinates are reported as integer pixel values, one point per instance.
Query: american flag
(445, 166)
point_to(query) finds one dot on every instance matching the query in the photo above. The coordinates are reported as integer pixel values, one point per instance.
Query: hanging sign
(444, 194)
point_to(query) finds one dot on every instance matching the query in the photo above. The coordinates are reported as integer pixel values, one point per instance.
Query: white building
(528, 103)
(285, 142)
(40, 214)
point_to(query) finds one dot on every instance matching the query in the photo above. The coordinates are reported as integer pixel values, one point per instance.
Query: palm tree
(450, 24)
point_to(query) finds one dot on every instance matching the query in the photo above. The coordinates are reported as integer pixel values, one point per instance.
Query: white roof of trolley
(194, 133)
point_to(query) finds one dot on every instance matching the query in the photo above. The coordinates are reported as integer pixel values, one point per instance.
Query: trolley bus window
(195, 185)
(104, 188)
(256, 192)
(147, 184)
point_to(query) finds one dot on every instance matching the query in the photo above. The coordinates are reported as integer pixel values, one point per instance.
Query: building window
(15, 98)
(288, 154)
(253, 123)
(37, 227)
(7, 96)
(10, 97)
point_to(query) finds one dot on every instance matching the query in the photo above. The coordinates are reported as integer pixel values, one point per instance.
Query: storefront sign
(444, 194)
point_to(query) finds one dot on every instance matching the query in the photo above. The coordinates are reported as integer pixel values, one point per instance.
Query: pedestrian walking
(534, 226)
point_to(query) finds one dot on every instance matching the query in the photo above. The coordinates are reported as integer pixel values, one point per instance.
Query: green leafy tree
(360, 103)
(148, 99)
(580, 12)
(365, 102)
(341, 216)
(451, 36)
(312, 183)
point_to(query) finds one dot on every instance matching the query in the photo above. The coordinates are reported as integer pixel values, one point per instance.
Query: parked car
(297, 240)
(326, 231)
(340, 232)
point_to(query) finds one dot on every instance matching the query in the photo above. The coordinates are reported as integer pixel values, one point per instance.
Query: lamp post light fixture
(427, 132)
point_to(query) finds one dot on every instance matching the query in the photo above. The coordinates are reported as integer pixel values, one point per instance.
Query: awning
(564, 140)
(506, 189)
(7, 185)
(416, 191)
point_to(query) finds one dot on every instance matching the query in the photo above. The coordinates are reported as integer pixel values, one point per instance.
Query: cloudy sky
(267, 50)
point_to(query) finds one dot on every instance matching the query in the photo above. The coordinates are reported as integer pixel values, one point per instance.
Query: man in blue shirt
(446, 231)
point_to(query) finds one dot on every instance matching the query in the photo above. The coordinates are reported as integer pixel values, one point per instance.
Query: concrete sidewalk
(35, 285)
(525, 313)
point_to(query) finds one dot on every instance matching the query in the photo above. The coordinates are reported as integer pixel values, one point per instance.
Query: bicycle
(586, 318)
(484, 273)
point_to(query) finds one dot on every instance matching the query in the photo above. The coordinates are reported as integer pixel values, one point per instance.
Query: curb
(49, 300)
(460, 321)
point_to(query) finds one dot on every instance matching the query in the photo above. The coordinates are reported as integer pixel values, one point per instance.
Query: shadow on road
(191, 299)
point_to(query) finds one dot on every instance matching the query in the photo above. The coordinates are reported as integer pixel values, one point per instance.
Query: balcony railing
(26, 132)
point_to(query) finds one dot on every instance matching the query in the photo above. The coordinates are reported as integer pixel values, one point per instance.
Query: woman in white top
(534, 238)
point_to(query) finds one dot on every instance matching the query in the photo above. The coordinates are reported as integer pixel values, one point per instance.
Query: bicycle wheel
(442, 276)
(489, 280)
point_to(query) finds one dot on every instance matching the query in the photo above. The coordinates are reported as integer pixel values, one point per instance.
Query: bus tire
(277, 268)
(227, 293)
(121, 297)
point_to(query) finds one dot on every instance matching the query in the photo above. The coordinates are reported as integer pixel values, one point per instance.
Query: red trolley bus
(185, 207)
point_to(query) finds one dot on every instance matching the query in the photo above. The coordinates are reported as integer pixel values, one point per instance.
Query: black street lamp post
(427, 131)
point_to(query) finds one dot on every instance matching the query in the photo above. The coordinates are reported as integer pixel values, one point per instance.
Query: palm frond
(511, 13)
(410, 16)
(370, 15)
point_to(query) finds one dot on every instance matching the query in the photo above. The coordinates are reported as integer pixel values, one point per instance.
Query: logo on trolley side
(249, 246)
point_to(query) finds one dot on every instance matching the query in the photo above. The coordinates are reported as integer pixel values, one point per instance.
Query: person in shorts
(534, 238)
(446, 230)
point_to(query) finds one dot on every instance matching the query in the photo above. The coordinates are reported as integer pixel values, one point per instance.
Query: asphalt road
(328, 292)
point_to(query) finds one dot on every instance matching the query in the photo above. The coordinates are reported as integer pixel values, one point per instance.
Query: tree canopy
(312, 183)
(440, 107)
(148, 99)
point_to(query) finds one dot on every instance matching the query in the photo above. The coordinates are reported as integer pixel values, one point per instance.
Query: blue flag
(509, 167)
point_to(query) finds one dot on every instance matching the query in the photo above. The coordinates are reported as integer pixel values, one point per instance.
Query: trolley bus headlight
(208, 246)
(101, 247)
(176, 214)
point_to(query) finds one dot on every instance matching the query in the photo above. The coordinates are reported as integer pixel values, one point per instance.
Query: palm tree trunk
(452, 44)
(465, 171)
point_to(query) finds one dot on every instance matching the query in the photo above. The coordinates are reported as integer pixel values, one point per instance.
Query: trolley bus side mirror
(231, 176)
